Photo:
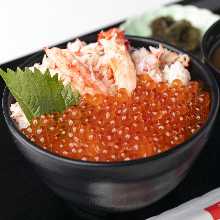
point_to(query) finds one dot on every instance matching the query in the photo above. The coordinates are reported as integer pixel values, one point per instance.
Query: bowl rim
(206, 53)
(214, 91)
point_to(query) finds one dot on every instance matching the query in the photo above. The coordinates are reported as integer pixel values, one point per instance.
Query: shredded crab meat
(120, 61)
(168, 57)
(71, 69)
(147, 63)
(162, 65)
(76, 46)
(99, 67)
(109, 64)
(176, 71)
(18, 115)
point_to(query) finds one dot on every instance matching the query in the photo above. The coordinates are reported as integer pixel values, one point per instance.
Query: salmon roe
(155, 118)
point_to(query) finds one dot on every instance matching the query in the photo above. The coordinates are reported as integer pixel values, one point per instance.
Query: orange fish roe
(155, 118)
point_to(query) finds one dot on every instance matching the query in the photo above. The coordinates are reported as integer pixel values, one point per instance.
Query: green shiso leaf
(39, 93)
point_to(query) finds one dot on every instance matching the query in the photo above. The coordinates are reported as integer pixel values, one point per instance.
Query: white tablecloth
(28, 25)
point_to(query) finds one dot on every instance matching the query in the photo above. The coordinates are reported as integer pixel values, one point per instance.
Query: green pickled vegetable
(179, 33)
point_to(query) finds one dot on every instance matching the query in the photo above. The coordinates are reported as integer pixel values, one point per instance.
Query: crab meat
(18, 116)
(108, 64)
(114, 34)
(76, 46)
(162, 65)
(147, 63)
(71, 70)
(176, 71)
(168, 57)
(119, 59)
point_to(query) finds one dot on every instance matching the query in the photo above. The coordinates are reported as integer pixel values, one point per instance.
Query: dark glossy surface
(122, 186)
(210, 42)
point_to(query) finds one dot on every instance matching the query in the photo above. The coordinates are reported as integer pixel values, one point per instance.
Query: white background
(27, 25)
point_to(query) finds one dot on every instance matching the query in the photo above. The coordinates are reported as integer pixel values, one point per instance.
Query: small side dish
(181, 26)
(107, 101)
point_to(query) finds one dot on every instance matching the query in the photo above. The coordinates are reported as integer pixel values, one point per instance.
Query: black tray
(24, 196)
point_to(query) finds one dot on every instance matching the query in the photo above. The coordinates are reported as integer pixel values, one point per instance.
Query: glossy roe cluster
(155, 118)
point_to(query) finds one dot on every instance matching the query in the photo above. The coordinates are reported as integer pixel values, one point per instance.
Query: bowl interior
(198, 72)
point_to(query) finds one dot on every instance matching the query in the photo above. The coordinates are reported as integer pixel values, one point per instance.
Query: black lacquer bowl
(121, 186)
(211, 41)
